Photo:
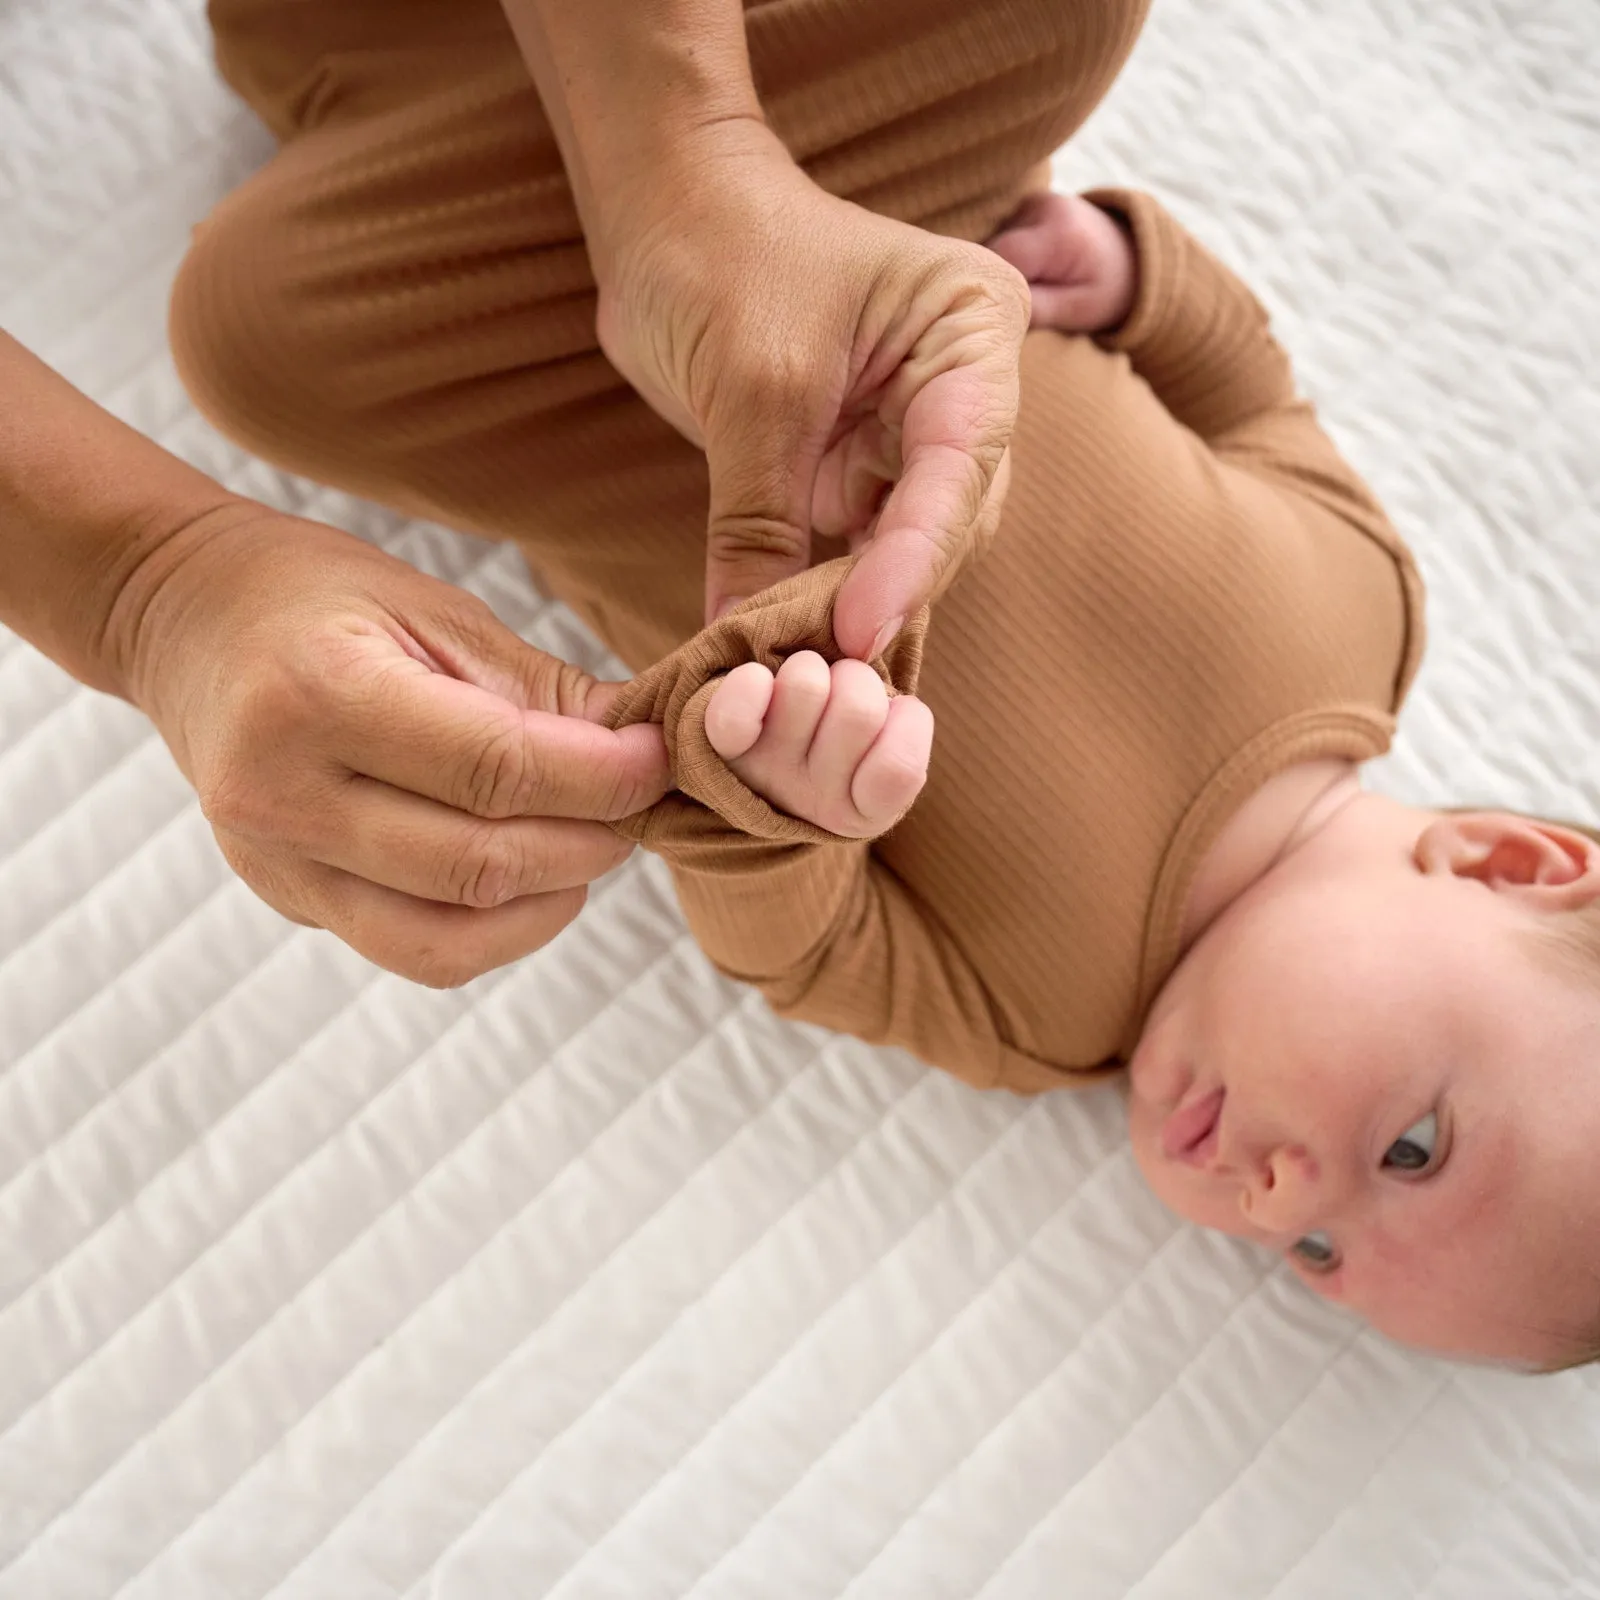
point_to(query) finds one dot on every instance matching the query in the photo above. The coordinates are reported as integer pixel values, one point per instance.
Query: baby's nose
(1281, 1191)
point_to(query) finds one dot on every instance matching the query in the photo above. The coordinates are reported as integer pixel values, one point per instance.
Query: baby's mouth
(1190, 1134)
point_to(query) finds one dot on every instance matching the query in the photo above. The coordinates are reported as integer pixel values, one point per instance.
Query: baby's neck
(1277, 819)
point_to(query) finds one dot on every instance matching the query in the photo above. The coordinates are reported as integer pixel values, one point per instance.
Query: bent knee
(246, 346)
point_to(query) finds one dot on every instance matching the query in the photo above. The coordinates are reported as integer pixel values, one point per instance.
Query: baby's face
(1380, 1077)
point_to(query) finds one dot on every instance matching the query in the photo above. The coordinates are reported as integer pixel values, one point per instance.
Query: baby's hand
(1078, 260)
(824, 744)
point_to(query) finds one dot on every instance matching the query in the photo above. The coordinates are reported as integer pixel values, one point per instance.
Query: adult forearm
(631, 88)
(86, 504)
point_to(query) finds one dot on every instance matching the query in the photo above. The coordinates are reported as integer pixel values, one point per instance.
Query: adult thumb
(631, 761)
(759, 532)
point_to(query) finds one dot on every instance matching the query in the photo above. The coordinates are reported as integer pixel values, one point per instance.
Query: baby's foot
(825, 744)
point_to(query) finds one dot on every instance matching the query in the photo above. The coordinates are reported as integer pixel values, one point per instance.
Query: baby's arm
(1115, 264)
(786, 768)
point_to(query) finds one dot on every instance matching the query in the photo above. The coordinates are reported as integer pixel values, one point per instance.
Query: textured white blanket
(593, 1280)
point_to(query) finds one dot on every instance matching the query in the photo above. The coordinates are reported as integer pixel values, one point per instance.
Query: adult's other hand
(845, 373)
(377, 754)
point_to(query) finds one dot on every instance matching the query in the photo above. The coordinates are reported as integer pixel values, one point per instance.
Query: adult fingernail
(886, 637)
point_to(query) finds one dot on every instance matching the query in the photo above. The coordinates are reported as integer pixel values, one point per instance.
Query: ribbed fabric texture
(781, 622)
(1189, 589)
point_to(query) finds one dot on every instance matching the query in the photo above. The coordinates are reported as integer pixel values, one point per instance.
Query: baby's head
(1384, 1059)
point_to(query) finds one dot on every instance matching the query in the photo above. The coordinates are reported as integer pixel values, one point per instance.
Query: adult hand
(376, 753)
(845, 374)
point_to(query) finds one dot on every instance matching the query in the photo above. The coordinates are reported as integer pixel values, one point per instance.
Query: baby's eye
(1413, 1150)
(1315, 1250)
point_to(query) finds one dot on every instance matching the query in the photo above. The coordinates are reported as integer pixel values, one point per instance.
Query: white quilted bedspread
(593, 1280)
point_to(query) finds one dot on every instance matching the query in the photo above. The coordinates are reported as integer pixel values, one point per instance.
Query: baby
(1358, 1032)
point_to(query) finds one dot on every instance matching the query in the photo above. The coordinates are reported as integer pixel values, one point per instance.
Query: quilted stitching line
(375, 976)
(198, 1135)
(819, 1054)
(938, 1335)
(1033, 1388)
(458, 1268)
(1441, 1383)
(215, 1244)
(891, 1108)
(16, 655)
(151, 953)
(100, 885)
(1356, 1336)
(1194, 1355)
(1492, 1499)
(160, 1048)
(77, 698)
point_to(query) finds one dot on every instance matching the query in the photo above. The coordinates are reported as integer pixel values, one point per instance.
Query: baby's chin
(1158, 1072)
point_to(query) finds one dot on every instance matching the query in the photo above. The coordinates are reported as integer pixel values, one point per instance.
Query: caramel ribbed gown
(1188, 592)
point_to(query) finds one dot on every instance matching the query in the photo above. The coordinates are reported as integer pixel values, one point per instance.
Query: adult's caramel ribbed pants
(400, 303)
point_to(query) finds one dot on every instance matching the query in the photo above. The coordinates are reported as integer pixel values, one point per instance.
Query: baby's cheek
(1329, 1285)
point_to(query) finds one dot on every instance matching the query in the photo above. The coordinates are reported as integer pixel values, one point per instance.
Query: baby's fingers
(799, 698)
(857, 707)
(892, 773)
(737, 710)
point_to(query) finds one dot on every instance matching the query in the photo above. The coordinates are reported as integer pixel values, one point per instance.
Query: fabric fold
(782, 621)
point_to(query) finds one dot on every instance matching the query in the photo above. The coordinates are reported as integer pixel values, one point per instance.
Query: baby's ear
(1554, 867)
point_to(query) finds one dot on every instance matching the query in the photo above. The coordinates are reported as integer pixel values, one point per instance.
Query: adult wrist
(708, 162)
(140, 615)
(634, 90)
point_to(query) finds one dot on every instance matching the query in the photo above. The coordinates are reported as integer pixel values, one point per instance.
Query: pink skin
(826, 744)
(1078, 260)
(1384, 968)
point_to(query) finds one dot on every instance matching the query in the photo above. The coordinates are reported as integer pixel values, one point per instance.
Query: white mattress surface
(592, 1279)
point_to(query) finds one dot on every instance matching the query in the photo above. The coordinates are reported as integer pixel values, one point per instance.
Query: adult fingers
(954, 439)
(433, 852)
(954, 400)
(762, 456)
(442, 946)
(474, 750)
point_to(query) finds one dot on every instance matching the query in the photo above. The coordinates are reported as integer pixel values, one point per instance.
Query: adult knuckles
(733, 538)
(442, 966)
(466, 947)
(259, 777)
(487, 869)
(505, 776)
(438, 951)
(259, 799)
(280, 884)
